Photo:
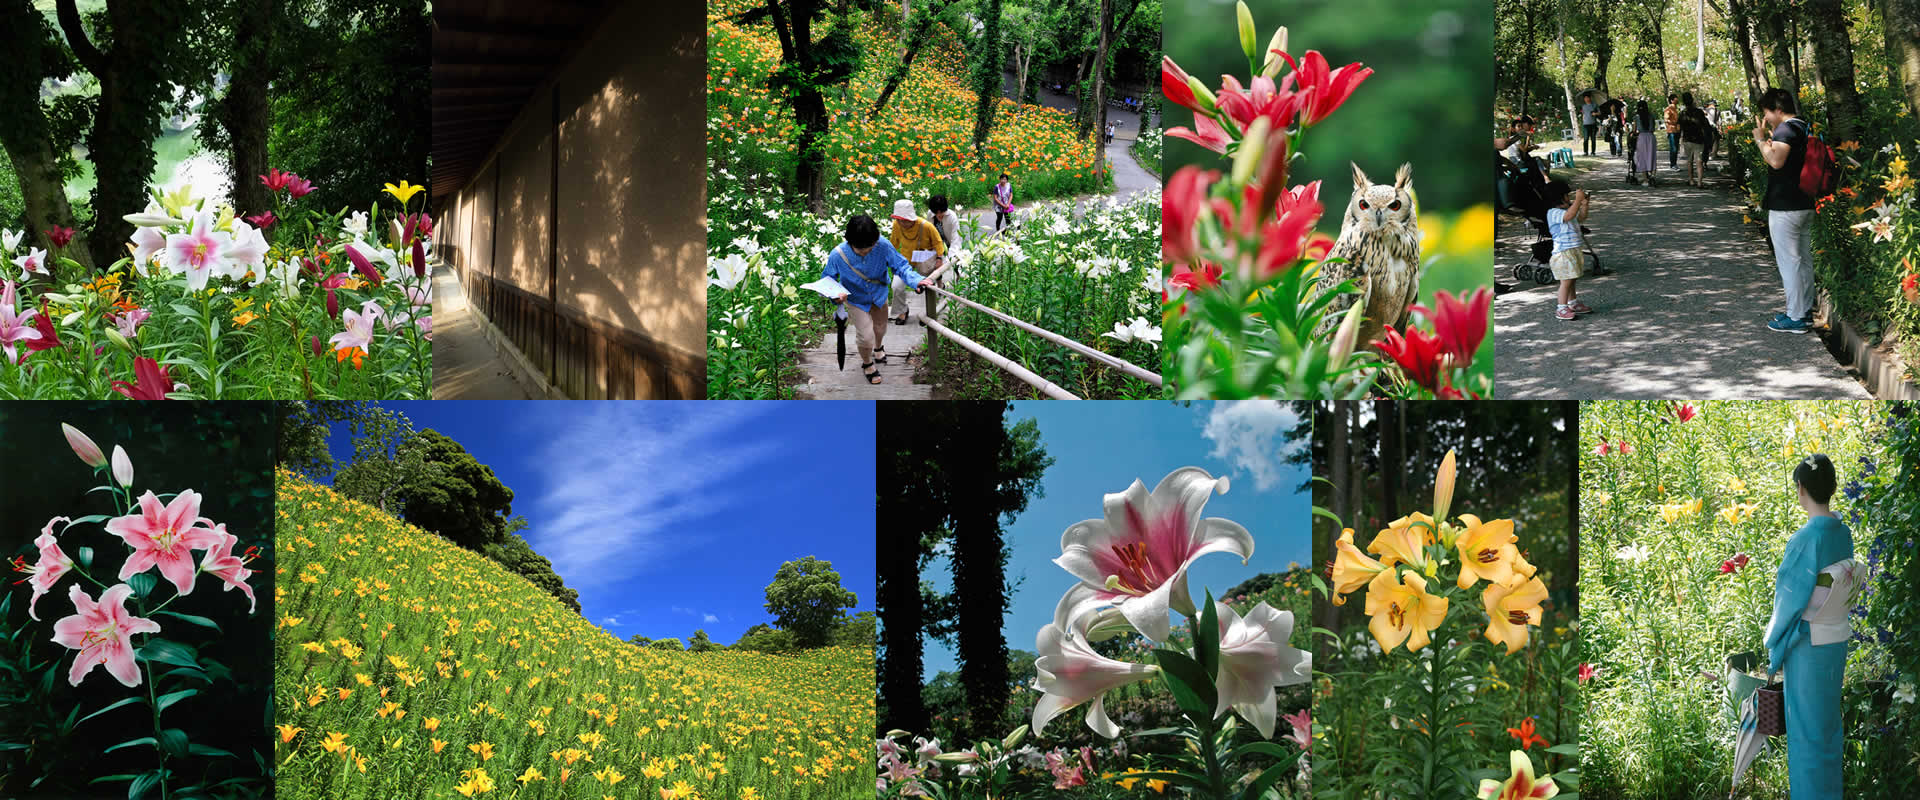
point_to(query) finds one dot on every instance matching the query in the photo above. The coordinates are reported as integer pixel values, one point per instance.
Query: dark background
(222, 450)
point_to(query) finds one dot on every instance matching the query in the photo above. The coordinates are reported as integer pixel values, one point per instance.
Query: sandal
(879, 355)
(873, 375)
(900, 320)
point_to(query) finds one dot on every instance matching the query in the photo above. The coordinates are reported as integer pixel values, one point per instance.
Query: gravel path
(1683, 316)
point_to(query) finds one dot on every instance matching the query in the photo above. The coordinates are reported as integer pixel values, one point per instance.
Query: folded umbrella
(840, 324)
(1749, 743)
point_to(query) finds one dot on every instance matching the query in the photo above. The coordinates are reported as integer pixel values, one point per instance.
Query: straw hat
(903, 210)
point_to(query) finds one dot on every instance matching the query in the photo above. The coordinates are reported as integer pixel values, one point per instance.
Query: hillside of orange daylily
(409, 667)
(924, 138)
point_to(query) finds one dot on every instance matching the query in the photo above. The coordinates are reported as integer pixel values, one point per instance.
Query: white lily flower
(1069, 672)
(153, 217)
(728, 271)
(1255, 658)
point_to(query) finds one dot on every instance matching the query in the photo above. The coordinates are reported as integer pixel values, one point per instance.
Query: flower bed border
(1879, 371)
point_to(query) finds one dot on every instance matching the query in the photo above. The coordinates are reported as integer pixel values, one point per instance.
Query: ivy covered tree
(34, 55)
(807, 66)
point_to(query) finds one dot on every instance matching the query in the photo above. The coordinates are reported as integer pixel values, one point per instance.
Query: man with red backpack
(1787, 145)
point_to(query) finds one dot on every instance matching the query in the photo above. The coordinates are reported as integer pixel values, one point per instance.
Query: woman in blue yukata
(1809, 633)
(865, 264)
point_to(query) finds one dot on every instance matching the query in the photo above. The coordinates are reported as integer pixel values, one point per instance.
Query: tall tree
(1005, 466)
(458, 498)
(806, 599)
(807, 66)
(1740, 14)
(146, 38)
(1776, 24)
(1833, 51)
(1653, 36)
(34, 55)
(1115, 16)
(245, 112)
(388, 457)
(1566, 75)
(919, 28)
(1901, 18)
(987, 78)
(908, 509)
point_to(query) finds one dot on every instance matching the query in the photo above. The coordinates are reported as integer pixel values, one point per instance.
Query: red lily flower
(1326, 90)
(1180, 207)
(1417, 352)
(298, 187)
(419, 259)
(1205, 132)
(1281, 105)
(1910, 286)
(1282, 241)
(1624, 448)
(1603, 448)
(263, 221)
(1173, 84)
(275, 180)
(1318, 246)
(1526, 735)
(1192, 280)
(1462, 322)
(1686, 412)
(60, 237)
(151, 381)
(334, 281)
(1587, 672)
(49, 337)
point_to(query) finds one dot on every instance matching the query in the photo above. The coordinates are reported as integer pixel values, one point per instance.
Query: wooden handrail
(1107, 359)
(1047, 387)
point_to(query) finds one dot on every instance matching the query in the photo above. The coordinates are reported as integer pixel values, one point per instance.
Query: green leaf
(204, 750)
(142, 584)
(1192, 687)
(1263, 748)
(111, 707)
(188, 672)
(1267, 779)
(201, 621)
(90, 520)
(164, 651)
(174, 741)
(106, 778)
(140, 785)
(1565, 749)
(132, 743)
(170, 698)
(1206, 639)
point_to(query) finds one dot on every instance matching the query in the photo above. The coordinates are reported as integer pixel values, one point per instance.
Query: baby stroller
(1519, 194)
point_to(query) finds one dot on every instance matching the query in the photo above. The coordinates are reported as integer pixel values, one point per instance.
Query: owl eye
(1395, 206)
(1364, 206)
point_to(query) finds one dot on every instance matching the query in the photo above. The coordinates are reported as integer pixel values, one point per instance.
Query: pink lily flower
(1136, 559)
(1302, 722)
(34, 261)
(359, 332)
(165, 537)
(1069, 673)
(275, 180)
(146, 242)
(16, 327)
(128, 322)
(1255, 658)
(298, 187)
(426, 327)
(83, 446)
(103, 634)
(220, 562)
(200, 253)
(263, 220)
(246, 249)
(47, 571)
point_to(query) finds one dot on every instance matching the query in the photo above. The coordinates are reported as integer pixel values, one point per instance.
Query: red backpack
(1819, 175)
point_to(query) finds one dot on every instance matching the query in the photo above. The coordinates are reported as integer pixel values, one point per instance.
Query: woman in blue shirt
(1812, 672)
(865, 264)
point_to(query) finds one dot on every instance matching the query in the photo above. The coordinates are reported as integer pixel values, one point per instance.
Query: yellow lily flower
(1487, 550)
(1738, 513)
(404, 192)
(1521, 783)
(1352, 569)
(1511, 608)
(1403, 610)
(1403, 542)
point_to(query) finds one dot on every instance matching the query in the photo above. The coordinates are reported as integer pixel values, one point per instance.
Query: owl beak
(1379, 217)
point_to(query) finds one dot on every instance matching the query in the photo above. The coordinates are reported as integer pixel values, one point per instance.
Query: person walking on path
(1642, 144)
(1569, 260)
(1813, 655)
(1588, 125)
(1673, 132)
(1782, 138)
(862, 265)
(920, 242)
(1002, 202)
(1695, 131)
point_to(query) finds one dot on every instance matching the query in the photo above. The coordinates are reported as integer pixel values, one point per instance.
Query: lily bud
(1252, 147)
(1443, 488)
(956, 758)
(419, 259)
(1247, 33)
(1202, 95)
(1275, 46)
(1343, 339)
(1015, 738)
(318, 350)
(897, 733)
(333, 305)
(122, 466)
(83, 446)
(115, 336)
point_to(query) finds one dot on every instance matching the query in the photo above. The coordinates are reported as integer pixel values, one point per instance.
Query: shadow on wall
(632, 226)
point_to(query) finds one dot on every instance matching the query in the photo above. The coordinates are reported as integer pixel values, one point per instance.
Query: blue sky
(671, 516)
(1101, 447)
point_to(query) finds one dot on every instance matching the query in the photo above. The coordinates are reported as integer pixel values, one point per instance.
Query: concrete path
(826, 381)
(1129, 179)
(1683, 316)
(465, 365)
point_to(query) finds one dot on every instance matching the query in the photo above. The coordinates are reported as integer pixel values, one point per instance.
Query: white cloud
(610, 622)
(629, 479)
(1252, 437)
(709, 618)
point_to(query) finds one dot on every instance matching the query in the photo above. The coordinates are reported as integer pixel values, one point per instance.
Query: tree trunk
(246, 112)
(1700, 36)
(809, 106)
(24, 134)
(978, 572)
(1603, 46)
(1100, 75)
(988, 79)
(1740, 14)
(1833, 52)
(897, 580)
(1780, 52)
(1656, 20)
(1022, 58)
(132, 90)
(1902, 21)
(1386, 415)
(917, 33)
(1339, 461)
(1566, 76)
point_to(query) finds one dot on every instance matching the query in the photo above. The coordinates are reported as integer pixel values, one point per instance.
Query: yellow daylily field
(408, 667)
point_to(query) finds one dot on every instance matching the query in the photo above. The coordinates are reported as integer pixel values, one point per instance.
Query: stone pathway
(826, 381)
(465, 365)
(1684, 315)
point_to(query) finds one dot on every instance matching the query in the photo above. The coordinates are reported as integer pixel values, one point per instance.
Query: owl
(1380, 244)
